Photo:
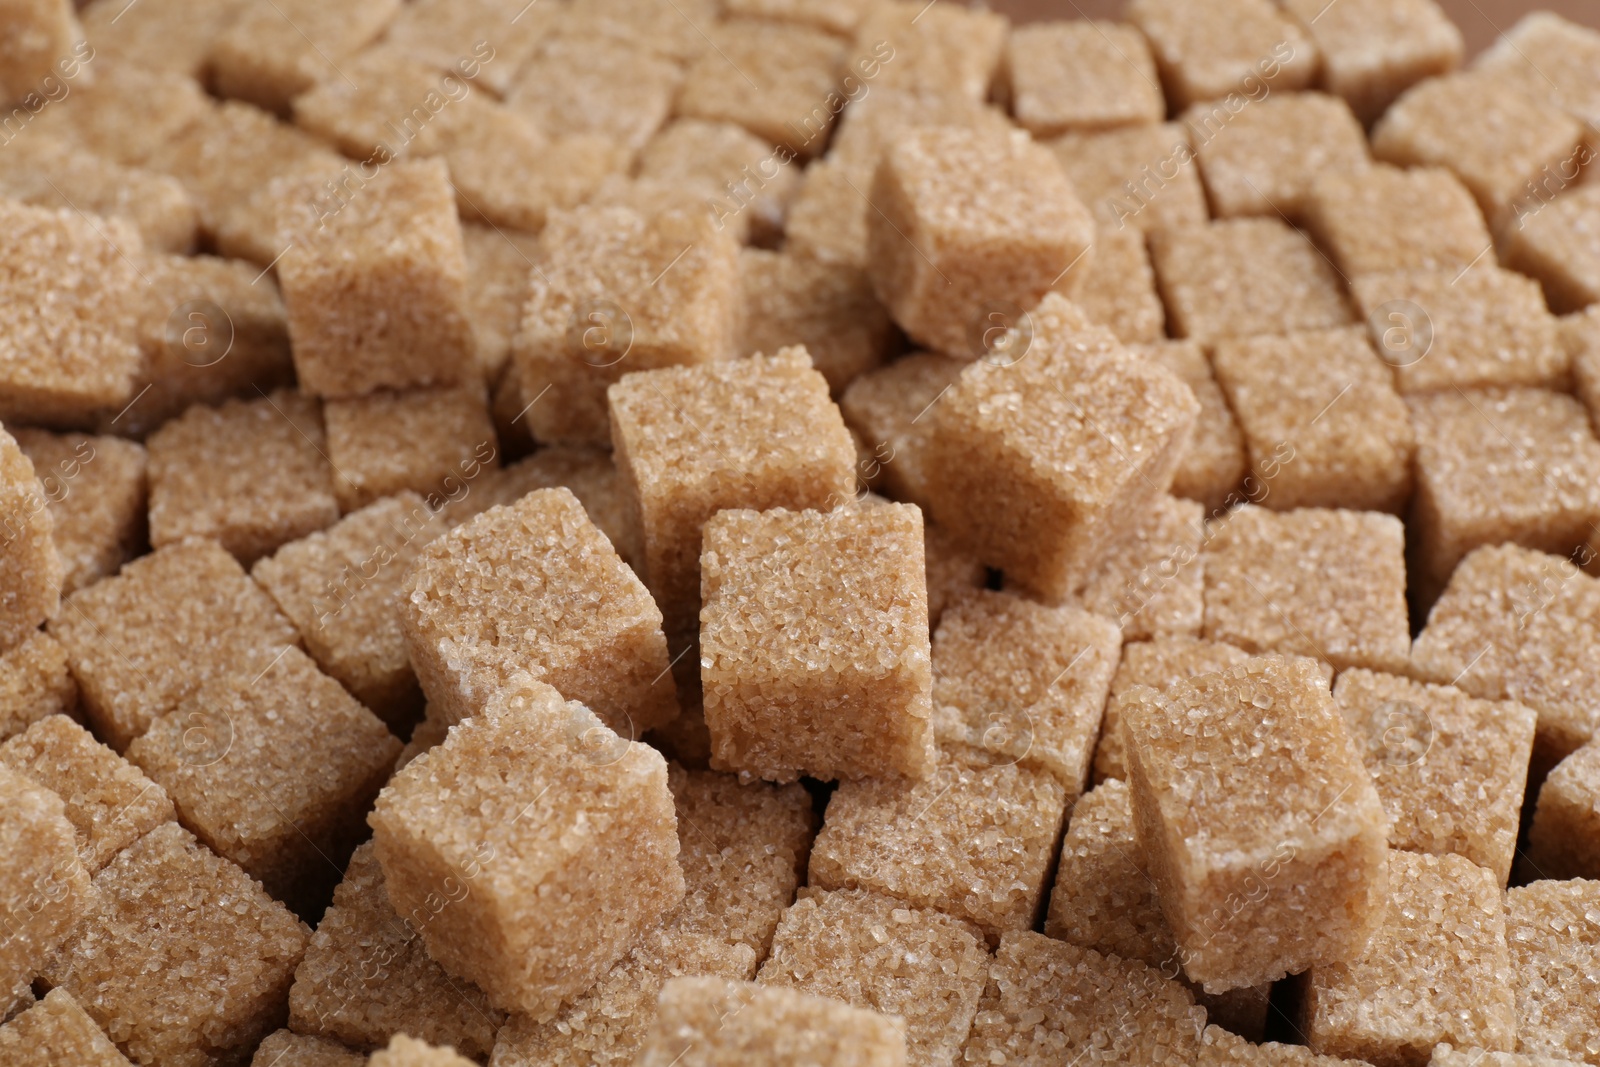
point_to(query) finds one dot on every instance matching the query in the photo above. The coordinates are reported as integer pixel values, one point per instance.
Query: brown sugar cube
(1159, 663)
(828, 217)
(1515, 624)
(806, 613)
(1142, 177)
(742, 849)
(1384, 219)
(1562, 842)
(1500, 140)
(1040, 465)
(1374, 50)
(377, 297)
(555, 839)
(1551, 57)
(1264, 159)
(707, 1022)
(30, 566)
(366, 975)
(1225, 48)
(1559, 244)
(1435, 969)
(58, 368)
(172, 37)
(446, 33)
(1554, 952)
(619, 291)
(747, 183)
(1080, 75)
(1580, 336)
(1444, 329)
(874, 120)
(1445, 1056)
(829, 308)
(1119, 290)
(1153, 582)
(1322, 422)
(404, 1051)
(241, 744)
(968, 222)
(875, 952)
(273, 486)
(39, 35)
(1449, 768)
(890, 409)
(1219, 1048)
(34, 683)
(56, 1033)
(1310, 582)
(1238, 277)
(1261, 820)
(946, 49)
(183, 959)
(499, 263)
(653, 25)
(972, 840)
(1501, 465)
(950, 571)
(56, 174)
(142, 641)
(109, 801)
(342, 588)
(754, 433)
(285, 1049)
(96, 490)
(835, 16)
(269, 56)
(1215, 464)
(44, 893)
(1046, 998)
(617, 89)
(126, 113)
(534, 586)
(776, 80)
(419, 440)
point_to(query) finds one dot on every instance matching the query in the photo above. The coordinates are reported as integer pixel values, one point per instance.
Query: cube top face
(1220, 47)
(943, 49)
(795, 68)
(1551, 57)
(95, 524)
(1555, 948)
(1373, 50)
(1081, 75)
(104, 116)
(57, 1031)
(1561, 842)
(1556, 244)
(1384, 219)
(870, 123)
(613, 88)
(425, 440)
(1312, 582)
(1158, 161)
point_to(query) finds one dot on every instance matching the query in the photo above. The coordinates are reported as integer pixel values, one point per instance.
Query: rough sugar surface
(1555, 951)
(96, 489)
(1263, 159)
(35, 682)
(1215, 463)
(404, 1051)
(1373, 50)
(1384, 219)
(1562, 842)
(30, 566)
(827, 307)
(285, 1049)
(1219, 1048)
(56, 1033)
(45, 893)
(1081, 75)
(421, 440)
(1152, 583)
(891, 409)
(1119, 289)
(1138, 177)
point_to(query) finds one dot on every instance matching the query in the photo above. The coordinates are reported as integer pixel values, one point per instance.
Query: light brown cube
(34, 683)
(875, 119)
(777, 81)
(499, 263)
(1374, 50)
(270, 55)
(969, 223)
(1562, 842)
(745, 181)
(1435, 970)
(109, 801)
(30, 566)
(1580, 335)
(422, 440)
(1219, 1048)
(1081, 75)
(1552, 58)
(1263, 159)
(1046, 998)
(126, 113)
(617, 89)
(534, 586)
(1239, 277)
(1255, 822)
(540, 844)
(1559, 244)
(141, 642)
(1309, 582)
(54, 173)
(1449, 768)
(67, 338)
(835, 16)
(1322, 422)
(814, 652)
(377, 296)
(44, 892)
(1140, 177)
(1554, 950)
(1501, 465)
(828, 308)
(39, 36)
(173, 37)
(946, 48)
(96, 492)
(274, 485)
(1383, 219)
(283, 1048)
(1119, 290)
(1215, 464)
(445, 33)
(1445, 1056)
(167, 908)
(1234, 49)
(828, 218)
(875, 952)
(1153, 582)
(891, 409)
(55, 1032)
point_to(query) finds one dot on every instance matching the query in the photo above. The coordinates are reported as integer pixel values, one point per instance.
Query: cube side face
(99, 514)
(1553, 948)
(35, 683)
(1562, 843)
(45, 892)
(30, 568)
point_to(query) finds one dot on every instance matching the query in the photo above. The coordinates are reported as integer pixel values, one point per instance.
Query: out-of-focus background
(1480, 20)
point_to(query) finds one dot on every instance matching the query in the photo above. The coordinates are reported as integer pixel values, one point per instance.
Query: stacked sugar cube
(797, 531)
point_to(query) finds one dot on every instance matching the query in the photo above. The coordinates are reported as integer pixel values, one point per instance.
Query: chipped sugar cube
(1564, 840)
(829, 308)
(285, 1049)
(1310, 582)
(596, 86)
(534, 586)
(1254, 813)
(57, 174)
(44, 891)
(1238, 277)
(890, 409)
(967, 223)
(1555, 952)
(1153, 582)
(1497, 466)
(126, 113)
(403, 1051)
(172, 37)
(1263, 159)
(1024, 682)
(1559, 244)
(901, 44)
(1144, 177)
(1081, 75)
(165, 908)
(1219, 1048)
(142, 641)
(270, 55)
(1047, 997)
(342, 588)
(289, 740)
(746, 182)
(828, 216)
(1119, 290)
(1235, 49)
(1384, 219)
(875, 952)
(1436, 969)
(1374, 50)
(34, 683)
(499, 263)
(1449, 768)
(420, 440)
(973, 840)
(710, 1022)
(1214, 465)
(1322, 422)
(96, 491)
(55, 1032)
(30, 565)
(109, 801)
